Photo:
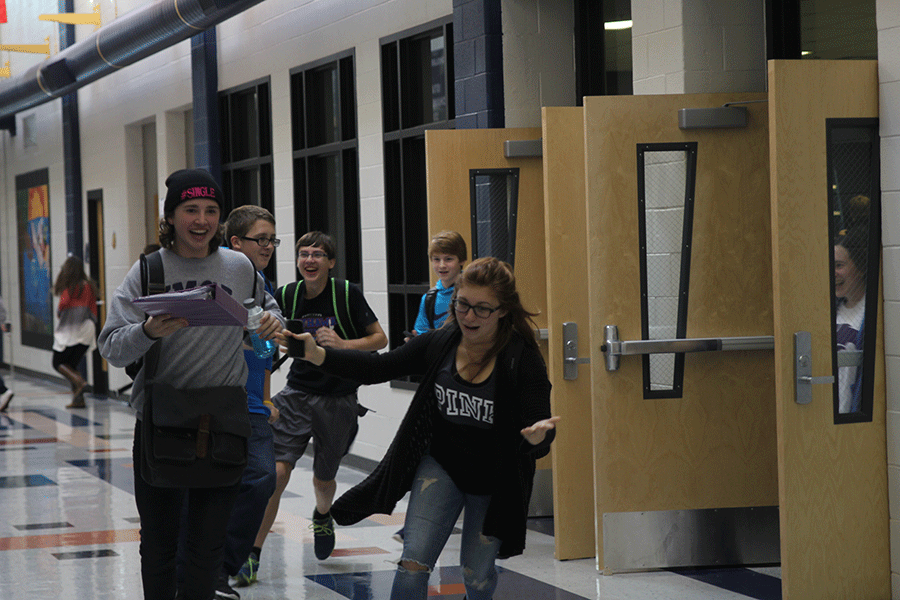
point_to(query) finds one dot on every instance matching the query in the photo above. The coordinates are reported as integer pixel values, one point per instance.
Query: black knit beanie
(188, 184)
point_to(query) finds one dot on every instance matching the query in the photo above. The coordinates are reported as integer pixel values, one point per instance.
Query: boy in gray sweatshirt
(190, 357)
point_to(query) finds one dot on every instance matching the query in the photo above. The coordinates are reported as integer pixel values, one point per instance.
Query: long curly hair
(73, 278)
(497, 275)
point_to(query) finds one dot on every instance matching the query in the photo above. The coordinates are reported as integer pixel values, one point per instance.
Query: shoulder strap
(342, 305)
(152, 282)
(430, 299)
(283, 295)
(152, 274)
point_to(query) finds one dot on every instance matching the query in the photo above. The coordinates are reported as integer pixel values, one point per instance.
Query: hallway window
(245, 116)
(603, 63)
(325, 155)
(417, 94)
(666, 190)
(812, 29)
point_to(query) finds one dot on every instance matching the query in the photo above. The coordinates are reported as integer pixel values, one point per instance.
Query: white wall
(888, 23)
(698, 46)
(538, 58)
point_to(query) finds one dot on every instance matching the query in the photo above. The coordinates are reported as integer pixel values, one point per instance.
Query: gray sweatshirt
(193, 357)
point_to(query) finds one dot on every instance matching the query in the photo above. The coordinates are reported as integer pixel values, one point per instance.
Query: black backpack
(152, 282)
(430, 300)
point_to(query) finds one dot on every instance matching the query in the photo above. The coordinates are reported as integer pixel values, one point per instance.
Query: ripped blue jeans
(434, 507)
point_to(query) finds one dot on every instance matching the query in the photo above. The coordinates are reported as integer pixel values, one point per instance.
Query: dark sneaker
(223, 590)
(247, 574)
(323, 532)
(5, 398)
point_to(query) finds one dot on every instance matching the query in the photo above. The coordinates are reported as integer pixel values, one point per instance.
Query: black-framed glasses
(264, 241)
(482, 312)
(315, 255)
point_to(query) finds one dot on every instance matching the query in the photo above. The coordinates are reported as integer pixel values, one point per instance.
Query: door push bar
(613, 348)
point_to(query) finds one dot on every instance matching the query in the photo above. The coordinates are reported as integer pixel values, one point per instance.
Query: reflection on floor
(69, 527)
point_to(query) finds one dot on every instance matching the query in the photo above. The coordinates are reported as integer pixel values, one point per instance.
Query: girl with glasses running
(477, 423)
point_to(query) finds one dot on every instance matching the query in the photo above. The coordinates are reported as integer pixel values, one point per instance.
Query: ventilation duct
(128, 39)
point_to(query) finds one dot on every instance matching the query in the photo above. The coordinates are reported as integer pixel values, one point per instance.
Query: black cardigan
(523, 398)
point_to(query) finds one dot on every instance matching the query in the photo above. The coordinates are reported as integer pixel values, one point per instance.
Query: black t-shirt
(464, 441)
(318, 312)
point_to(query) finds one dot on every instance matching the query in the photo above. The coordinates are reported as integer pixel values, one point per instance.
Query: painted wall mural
(35, 293)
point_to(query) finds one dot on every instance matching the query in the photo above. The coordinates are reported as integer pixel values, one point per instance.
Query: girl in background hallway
(75, 332)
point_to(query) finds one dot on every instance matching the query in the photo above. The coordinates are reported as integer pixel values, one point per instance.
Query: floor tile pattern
(69, 528)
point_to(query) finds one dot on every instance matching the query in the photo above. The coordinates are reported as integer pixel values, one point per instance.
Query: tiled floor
(69, 527)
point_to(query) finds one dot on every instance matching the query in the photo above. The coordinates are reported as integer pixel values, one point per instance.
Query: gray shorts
(329, 420)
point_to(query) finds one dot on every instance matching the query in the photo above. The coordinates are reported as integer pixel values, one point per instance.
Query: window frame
(261, 164)
(406, 208)
(344, 150)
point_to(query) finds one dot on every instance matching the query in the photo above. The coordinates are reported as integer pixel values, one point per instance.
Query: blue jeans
(208, 510)
(434, 506)
(257, 486)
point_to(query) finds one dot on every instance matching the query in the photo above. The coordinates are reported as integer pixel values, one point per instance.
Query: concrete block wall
(698, 46)
(538, 58)
(888, 23)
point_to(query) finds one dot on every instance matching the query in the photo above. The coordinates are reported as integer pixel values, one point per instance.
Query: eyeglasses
(482, 312)
(315, 255)
(264, 241)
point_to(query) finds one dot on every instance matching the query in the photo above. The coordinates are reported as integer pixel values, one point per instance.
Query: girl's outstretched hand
(312, 352)
(537, 432)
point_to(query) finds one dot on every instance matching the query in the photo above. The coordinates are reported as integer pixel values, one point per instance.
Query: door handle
(571, 360)
(804, 379)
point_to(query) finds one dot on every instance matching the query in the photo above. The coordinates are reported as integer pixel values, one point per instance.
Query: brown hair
(855, 241)
(316, 239)
(493, 273)
(449, 242)
(72, 277)
(167, 235)
(243, 218)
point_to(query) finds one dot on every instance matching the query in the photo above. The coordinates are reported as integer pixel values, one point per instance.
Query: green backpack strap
(340, 299)
(283, 293)
(342, 305)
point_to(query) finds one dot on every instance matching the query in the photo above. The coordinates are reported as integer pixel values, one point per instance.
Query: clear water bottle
(262, 348)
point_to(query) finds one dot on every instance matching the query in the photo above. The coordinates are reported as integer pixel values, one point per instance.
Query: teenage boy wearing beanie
(190, 233)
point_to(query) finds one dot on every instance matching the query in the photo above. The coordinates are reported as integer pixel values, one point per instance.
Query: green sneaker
(247, 574)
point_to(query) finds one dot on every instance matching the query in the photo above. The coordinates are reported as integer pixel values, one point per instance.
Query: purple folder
(205, 305)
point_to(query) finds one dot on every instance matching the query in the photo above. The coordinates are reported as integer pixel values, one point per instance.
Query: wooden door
(713, 447)
(451, 155)
(567, 302)
(832, 477)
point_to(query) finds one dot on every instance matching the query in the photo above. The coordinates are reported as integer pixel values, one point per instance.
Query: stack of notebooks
(204, 305)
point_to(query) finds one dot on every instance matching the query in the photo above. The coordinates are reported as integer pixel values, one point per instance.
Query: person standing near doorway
(75, 331)
(447, 254)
